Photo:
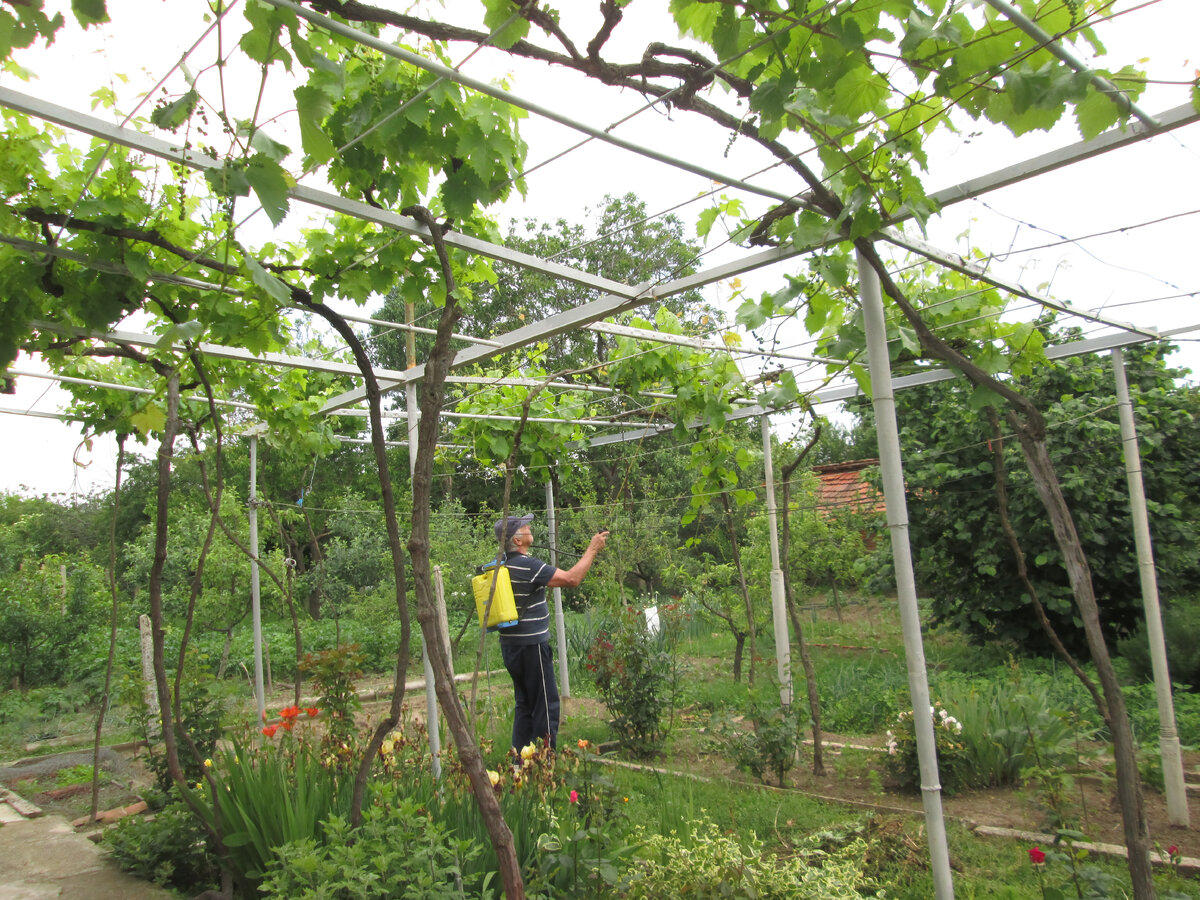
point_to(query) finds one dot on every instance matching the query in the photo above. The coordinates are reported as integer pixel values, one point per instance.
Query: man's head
(515, 533)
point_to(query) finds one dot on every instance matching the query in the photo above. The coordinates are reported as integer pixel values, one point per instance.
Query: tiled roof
(844, 485)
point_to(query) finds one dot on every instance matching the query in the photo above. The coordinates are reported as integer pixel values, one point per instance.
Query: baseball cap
(510, 525)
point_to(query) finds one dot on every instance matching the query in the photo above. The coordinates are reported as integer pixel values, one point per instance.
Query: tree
(620, 240)
(862, 83)
(35, 600)
(963, 560)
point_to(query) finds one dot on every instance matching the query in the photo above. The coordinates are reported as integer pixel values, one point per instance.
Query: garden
(939, 641)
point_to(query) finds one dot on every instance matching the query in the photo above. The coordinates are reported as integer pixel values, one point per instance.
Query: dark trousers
(536, 713)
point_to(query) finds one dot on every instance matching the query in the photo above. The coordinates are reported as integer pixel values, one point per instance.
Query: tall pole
(431, 704)
(560, 626)
(255, 592)
(783, 645)
(1168, 737)
(888, 434)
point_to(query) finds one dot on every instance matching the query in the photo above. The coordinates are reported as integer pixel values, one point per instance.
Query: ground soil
(122, 779)
(858, 778)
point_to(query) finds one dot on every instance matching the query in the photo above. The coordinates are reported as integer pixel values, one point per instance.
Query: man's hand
(573, 576)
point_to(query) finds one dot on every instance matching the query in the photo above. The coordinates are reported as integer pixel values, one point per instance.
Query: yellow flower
(493, 777)
(386, 748)
(528, 751)
(208, 764)
(199, 785)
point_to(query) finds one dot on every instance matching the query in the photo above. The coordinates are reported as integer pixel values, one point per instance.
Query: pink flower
(574, 798)
(1036, 856)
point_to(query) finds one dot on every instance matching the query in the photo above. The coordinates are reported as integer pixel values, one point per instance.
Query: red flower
(287, 724)
(574, 798)
(1036, 856)
(270, 730)
(1172, 850)
(290, 713)
(312, 711)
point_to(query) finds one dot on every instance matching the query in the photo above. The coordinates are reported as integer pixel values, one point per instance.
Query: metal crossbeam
(932, 376)
(135, 140)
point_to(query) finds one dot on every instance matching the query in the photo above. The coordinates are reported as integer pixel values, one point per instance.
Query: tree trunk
(166, 451)
(1030, 428)
(739, 649)
(737, 562)
(810, 674)
(432, 397)
(112, 629)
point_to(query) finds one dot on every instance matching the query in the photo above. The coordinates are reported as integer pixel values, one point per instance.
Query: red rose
(1036, 856)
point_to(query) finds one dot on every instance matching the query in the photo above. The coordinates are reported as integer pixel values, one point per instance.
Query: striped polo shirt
(529, 576)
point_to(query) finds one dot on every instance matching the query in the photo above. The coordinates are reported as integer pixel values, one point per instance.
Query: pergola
(1106, 333)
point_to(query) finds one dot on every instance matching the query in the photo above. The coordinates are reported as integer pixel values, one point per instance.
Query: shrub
(170, 849)
(399, 851)
(773, 744)
(202, 706)
(710, 865)
(278, 792)
(631, 668)
(860, 696)
(1181, 628)
(1142, 704)
(902, 761)
(1007, 727)
(333, 673)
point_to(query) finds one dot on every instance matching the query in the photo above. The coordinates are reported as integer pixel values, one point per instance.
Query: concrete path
(44, 858)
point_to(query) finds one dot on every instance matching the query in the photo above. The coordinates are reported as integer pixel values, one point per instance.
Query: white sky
(1121, 189)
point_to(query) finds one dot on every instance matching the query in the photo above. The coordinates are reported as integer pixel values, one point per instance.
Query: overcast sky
(1118, 272)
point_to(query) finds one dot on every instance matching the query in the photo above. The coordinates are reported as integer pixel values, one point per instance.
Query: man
(525, 645)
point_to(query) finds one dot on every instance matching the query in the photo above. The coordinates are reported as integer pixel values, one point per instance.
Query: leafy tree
(620, 239)
(963, 560)
(37, 600)
(825, 78)
(33, 527)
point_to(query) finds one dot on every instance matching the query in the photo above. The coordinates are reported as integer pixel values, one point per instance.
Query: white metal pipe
(560, 627)
(683, 340)
(1168, 743)
(491, 90)
(431, 703)
(127, 388)
(255, 588)
(783, 644)
(416, 329)
(1052, 45)
(892, 471)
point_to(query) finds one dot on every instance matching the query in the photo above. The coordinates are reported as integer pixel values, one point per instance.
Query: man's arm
(573, 576)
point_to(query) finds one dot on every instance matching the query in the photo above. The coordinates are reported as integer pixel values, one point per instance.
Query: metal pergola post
(255, 587)
(884, 404)
(1168, 739)
(783, 646)
(431, 704)
(560, 626)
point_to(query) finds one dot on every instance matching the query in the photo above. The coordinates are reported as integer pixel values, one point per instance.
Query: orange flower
(287, 724)
(312, 711)
(290, 713)
(270, 730)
